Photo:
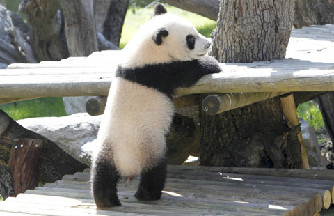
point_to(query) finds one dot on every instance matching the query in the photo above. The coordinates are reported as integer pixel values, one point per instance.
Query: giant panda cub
(165, 54)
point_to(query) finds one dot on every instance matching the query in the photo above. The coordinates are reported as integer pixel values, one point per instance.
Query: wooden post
(290, 113)
(218, 103)
(23, 163)
(95, 106)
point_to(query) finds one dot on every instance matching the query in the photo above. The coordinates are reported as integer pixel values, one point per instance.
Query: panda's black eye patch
(191, 40)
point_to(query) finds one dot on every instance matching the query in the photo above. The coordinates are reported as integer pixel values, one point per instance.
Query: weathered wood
(23, 162)
(215, 104)
(278, 76)
(297, 173)
(95, 106)
(326, 199)
(182, 196)
(309, 67)
(53, 161)
(313, 12)
(290, 113)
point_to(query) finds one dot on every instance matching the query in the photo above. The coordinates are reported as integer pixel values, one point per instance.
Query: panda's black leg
(152, 182)
(104, 182)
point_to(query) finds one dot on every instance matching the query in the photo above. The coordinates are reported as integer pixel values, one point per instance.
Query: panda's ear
(159, 9)
(158, 34)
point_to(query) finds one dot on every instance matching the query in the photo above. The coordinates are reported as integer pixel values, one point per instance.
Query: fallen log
(53, 163)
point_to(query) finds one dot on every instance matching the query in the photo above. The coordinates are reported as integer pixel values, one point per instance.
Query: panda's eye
(191, 40)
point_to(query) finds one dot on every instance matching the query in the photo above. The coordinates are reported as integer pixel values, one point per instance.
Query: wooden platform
(309, 66)
(190, 191)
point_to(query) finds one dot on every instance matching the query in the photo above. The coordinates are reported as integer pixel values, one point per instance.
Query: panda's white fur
(139, 108)
(136, 133)
(141, 51)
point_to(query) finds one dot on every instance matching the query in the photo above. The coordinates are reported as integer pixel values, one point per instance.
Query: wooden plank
(324, 174)
(188, 191)
(309, 67)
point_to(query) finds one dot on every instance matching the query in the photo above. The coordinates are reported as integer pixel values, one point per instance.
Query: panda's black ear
(158, 34)
(159, 9)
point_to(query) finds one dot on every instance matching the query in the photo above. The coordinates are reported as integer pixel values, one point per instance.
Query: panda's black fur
(167, 77)
(159, 80)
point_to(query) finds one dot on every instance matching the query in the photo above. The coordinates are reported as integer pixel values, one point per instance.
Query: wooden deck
(190, 191)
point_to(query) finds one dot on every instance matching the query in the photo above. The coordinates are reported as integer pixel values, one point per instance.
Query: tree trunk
(313, 12)
(252, 31)
(255, 135)
(207, 8)
(79, 26)
(45, 21)
(114, 19)
(326, 104)
(82, 26)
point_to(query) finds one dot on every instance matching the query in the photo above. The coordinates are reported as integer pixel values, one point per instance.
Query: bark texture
(253, 30)
(46, 23)
(255, 135)
(113, 23)
(326, 104)
(53, 163)
(252, 136)
(23, 163)
(313, 12)
(79, 26)
(207, 8)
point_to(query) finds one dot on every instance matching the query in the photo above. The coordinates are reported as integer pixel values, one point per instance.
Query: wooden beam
(95, 106)
(279, 76)
(218, 103)
(290, 113)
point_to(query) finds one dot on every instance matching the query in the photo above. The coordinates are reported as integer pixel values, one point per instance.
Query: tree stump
(254, 135)
(53, 162)
(23, 163)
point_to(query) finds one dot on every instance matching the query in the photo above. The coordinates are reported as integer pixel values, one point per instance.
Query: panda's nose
(207, 46)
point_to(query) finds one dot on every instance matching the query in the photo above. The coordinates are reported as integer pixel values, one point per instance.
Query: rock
(69, 132)
(9, 23)
(311, 145)
(3, 66)
(74, 105)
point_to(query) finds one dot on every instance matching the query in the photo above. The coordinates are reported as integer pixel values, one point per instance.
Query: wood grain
(188, 191)
(308, 67)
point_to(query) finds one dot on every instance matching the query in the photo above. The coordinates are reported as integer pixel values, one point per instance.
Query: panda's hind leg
(104, 183)
(152, 182)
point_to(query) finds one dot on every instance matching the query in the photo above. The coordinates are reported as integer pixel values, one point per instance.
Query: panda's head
(165, 38)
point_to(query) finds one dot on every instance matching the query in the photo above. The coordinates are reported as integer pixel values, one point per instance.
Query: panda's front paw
(147, 196)
(209, 65)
